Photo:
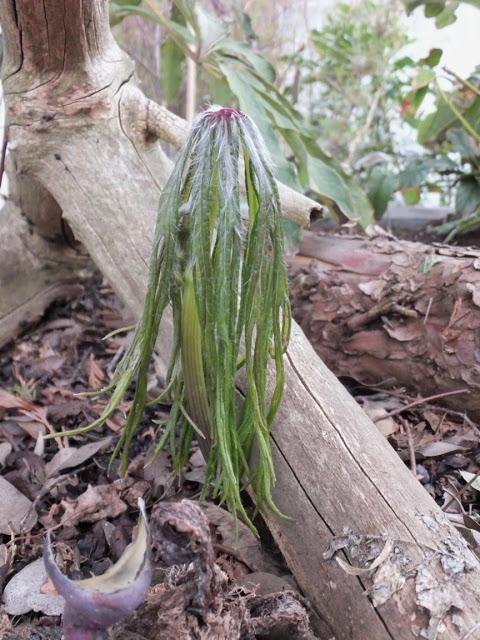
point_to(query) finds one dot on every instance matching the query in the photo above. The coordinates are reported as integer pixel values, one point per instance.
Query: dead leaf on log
(16, 512)
(73, 456)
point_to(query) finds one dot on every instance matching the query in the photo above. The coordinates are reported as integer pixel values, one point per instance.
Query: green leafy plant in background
(234, 74)
(218, 259)
(349, 81)
(450, 133)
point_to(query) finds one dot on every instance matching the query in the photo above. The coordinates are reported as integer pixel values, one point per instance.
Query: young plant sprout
(218, 259)
(95, 604)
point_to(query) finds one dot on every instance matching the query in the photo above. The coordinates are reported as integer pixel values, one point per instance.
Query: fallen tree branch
(392, 313)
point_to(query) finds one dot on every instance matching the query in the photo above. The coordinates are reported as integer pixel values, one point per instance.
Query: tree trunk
(392, 313)
(82, 129)
(37, 263)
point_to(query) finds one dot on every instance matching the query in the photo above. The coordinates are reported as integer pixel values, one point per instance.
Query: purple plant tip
(225, 113)
(94, 604)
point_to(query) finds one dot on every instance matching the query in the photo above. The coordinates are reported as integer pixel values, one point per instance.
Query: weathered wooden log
(392, 313)
(81, 128)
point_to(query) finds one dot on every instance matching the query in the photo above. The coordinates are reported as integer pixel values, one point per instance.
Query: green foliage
(444, 11)
(352, 79)
(452, 135)
(218, 260)
(238, 76)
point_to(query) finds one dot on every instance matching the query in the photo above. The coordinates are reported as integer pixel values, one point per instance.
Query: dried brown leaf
(73, 456)
(96, 376)
(16, 512)
(96, 503)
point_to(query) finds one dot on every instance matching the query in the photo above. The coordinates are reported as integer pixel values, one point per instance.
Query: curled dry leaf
(16, 510)
(73, 456)
(96, 503)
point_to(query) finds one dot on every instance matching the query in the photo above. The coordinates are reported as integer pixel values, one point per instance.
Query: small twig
(427, 314)
(461, 491)
(411, 449)
(420, 401)
(465, 124)
(463, 81)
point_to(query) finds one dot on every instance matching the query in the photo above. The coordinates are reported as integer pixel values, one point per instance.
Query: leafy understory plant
(95, 604)
(218, 259)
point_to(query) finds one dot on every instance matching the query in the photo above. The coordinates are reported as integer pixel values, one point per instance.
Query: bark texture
(392, 313)
(37, 263)
(81, 128)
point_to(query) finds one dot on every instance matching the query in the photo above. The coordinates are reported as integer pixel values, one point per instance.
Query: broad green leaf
(432, 9)
(252, 106)
(433, 58)
(435, 124)
(411, 195)
(423, 78)
(334, 190)
(462, 143)
(238, 49)
(467, 199)
(211, 29)
(172, 59)
(380, 189)
(447, 16)
(406, 61)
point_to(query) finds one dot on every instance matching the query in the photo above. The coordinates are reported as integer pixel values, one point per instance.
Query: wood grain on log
(76, 131)
(392, 313)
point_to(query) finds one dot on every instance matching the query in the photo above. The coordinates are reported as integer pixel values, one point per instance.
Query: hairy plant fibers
(217, 258)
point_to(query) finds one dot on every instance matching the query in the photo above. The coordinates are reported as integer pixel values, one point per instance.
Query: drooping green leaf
(435, 123)
(467, 199)
(380, 188)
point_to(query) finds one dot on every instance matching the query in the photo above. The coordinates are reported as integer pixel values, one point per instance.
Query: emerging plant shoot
(218, 259)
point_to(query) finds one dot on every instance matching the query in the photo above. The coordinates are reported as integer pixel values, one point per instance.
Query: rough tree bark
(392, 313)
(82, 129)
